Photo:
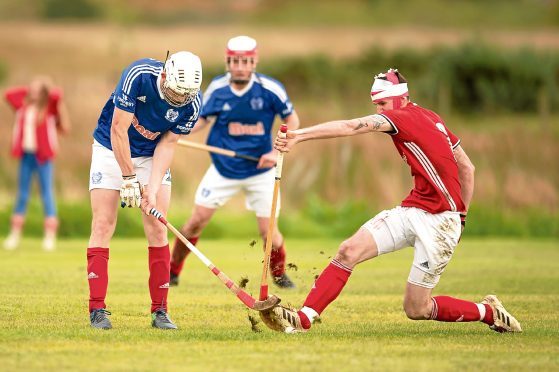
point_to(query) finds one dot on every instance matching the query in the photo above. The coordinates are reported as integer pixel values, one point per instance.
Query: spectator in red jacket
(40, 114)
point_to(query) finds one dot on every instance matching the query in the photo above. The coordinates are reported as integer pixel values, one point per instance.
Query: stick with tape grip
(248, 300)
(272, 223)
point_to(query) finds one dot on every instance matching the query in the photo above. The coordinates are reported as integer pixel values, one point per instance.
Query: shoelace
(163, 316)
(100, 314)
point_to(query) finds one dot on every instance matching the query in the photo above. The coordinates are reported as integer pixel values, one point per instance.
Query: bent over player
(431, 218)
(244, 104)
(134, 142)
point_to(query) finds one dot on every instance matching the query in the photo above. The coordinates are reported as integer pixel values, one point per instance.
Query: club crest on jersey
(172, 115)
(257, 103)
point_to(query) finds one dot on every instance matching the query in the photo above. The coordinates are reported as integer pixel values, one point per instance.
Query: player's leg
(360, 247)
(26, 167)
(192, 229)
(259, 198)
(382, 234)
(436, 238)
(213, 192)
(104, 185)
(278, 254)
(45, 171)
(159, 259)
(104, 214)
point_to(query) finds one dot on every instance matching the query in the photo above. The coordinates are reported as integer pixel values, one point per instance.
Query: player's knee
(348, 253)
(415, 311)
(195, 225)
(103, 227)
(158, 233)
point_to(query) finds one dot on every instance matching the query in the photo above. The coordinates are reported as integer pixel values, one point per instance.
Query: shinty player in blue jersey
(243, 105)
(134, 142)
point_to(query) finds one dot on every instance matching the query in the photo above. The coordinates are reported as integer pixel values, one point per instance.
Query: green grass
(44, 321)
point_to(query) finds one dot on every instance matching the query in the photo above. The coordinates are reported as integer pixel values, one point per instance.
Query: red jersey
(46, 126)
(425, 143)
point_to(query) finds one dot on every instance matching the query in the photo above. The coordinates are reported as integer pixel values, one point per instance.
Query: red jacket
(46, 126)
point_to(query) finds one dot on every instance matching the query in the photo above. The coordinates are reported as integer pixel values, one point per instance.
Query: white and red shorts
(215, 190)
(434, 237)
(105, 172)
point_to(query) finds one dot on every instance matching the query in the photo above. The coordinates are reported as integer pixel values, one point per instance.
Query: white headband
(384, 89)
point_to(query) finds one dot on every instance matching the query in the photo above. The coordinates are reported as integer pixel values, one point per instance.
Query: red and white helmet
(183, 78)
(244, 46)
(387, 86)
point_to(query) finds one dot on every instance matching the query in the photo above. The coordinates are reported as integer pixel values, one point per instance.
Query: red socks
(180, 252)
(277, 261)
(97, 276)
(450, 309)
(159, 265)
(328, 286)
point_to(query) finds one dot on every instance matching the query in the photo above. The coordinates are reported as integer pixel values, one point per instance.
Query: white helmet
(183, 78)
(242, 46)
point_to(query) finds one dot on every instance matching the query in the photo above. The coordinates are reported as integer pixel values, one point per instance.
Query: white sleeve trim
(275, 88)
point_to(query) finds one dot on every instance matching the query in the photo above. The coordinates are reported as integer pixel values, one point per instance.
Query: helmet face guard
(178, 99)
(182, 78)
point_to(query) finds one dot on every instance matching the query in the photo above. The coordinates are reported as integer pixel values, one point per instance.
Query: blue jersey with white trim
(243, 121)
(138, 91)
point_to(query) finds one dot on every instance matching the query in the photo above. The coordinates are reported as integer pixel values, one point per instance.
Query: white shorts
(105, 172)
(215, 190)
(434, 237)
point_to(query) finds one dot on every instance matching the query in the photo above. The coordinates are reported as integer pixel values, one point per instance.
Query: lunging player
(431, 218)
(134, 142)
(244, 104)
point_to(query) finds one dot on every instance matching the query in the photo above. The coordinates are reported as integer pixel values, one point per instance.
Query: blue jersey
(243, 121)
(138, 91)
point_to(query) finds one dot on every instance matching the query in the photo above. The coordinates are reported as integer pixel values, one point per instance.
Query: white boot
(12, 241)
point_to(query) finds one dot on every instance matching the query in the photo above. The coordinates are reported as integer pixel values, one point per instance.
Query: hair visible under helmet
(183, 78)
(389, 86)
(241, 48)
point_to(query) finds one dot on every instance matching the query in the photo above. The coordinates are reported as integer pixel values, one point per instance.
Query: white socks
(310, 313)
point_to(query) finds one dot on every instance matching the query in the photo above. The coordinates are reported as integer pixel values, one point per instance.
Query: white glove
(130, 191)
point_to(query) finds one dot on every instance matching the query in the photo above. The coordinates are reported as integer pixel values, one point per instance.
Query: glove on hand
(130, 191)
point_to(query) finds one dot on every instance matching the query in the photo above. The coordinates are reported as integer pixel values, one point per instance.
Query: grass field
(44, 322)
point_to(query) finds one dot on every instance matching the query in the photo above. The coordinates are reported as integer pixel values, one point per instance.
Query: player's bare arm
(269, 160)
(200, 125)
(373, 123)
(162, 158)
(292, 121)
(120, 141)
(465, 175)
(333, 129)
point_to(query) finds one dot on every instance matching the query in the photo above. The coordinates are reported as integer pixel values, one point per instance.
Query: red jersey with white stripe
(427, 146)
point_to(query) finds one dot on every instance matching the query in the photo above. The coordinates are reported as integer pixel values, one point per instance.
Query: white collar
(240, 93)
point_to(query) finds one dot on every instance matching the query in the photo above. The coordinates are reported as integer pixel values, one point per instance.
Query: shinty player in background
(431, 218)
(134, 142)
(243, 104)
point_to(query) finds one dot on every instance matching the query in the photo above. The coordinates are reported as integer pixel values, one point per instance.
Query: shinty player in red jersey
(431, 218)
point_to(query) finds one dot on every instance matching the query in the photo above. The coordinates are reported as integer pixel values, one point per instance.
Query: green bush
(471, 78)
(316, 218)
(3, 71)
(71, 9)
